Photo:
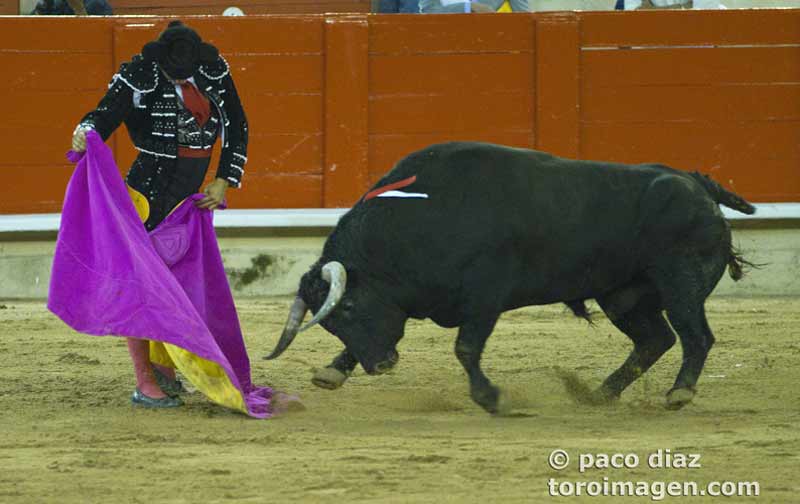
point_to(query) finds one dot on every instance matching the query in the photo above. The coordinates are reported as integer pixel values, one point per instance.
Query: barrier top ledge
(328, 217)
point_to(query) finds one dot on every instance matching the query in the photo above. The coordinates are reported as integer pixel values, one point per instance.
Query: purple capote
(110, 278)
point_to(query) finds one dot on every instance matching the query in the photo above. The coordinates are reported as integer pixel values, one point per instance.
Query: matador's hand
(215, 194)
(79, 138)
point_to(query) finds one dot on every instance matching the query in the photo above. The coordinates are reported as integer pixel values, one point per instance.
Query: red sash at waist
(194, 153)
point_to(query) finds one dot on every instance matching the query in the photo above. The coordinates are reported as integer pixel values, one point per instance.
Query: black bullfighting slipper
(171, 387)
(139, 399)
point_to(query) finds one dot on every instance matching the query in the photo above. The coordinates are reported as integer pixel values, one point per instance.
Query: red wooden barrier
(718, 92)
(335, 100)
(454, 77)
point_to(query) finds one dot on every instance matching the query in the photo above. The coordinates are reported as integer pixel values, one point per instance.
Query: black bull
(504, 228)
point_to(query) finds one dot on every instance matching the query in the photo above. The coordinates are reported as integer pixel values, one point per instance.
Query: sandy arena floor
(69, 435)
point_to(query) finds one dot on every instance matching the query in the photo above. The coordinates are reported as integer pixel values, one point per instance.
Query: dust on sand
(68, 433)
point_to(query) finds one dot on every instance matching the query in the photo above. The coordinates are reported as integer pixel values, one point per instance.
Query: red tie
(197, 104)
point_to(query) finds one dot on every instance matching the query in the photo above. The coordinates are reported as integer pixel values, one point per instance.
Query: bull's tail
(738, 265)
(724, 196)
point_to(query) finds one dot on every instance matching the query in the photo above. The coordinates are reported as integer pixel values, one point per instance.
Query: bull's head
(368, 326)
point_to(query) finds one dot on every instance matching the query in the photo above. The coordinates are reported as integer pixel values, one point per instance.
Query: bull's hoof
(582, 393)
(491, 399)
(678, 398)
(329, 378)
(603, 396)
(503, 405)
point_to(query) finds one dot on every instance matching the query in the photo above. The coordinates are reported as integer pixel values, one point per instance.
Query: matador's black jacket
(141, 96)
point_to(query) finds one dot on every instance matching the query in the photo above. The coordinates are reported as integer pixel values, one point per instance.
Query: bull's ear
(313, 288)
(335, 275)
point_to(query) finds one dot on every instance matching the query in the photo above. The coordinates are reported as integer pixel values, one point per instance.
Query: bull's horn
(335, 274)
(296, 314)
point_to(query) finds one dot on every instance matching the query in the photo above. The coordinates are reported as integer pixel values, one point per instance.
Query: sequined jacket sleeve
(113, 108)
(234, 146)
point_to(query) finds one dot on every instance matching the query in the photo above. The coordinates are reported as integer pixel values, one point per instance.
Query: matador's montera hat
(179, 51)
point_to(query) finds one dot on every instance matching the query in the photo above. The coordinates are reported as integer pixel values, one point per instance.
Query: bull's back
(552, 218)
(491, 192)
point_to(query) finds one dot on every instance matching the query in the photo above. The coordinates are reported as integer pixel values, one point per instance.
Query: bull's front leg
(471, 340)
(336, 373)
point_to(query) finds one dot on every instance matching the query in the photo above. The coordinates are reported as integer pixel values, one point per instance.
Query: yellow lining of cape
(206, 376)
(140, 203)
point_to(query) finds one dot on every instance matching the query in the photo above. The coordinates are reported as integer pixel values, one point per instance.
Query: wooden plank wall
(52, 75)
(718, 93)
(335, 100)
(429, 83)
